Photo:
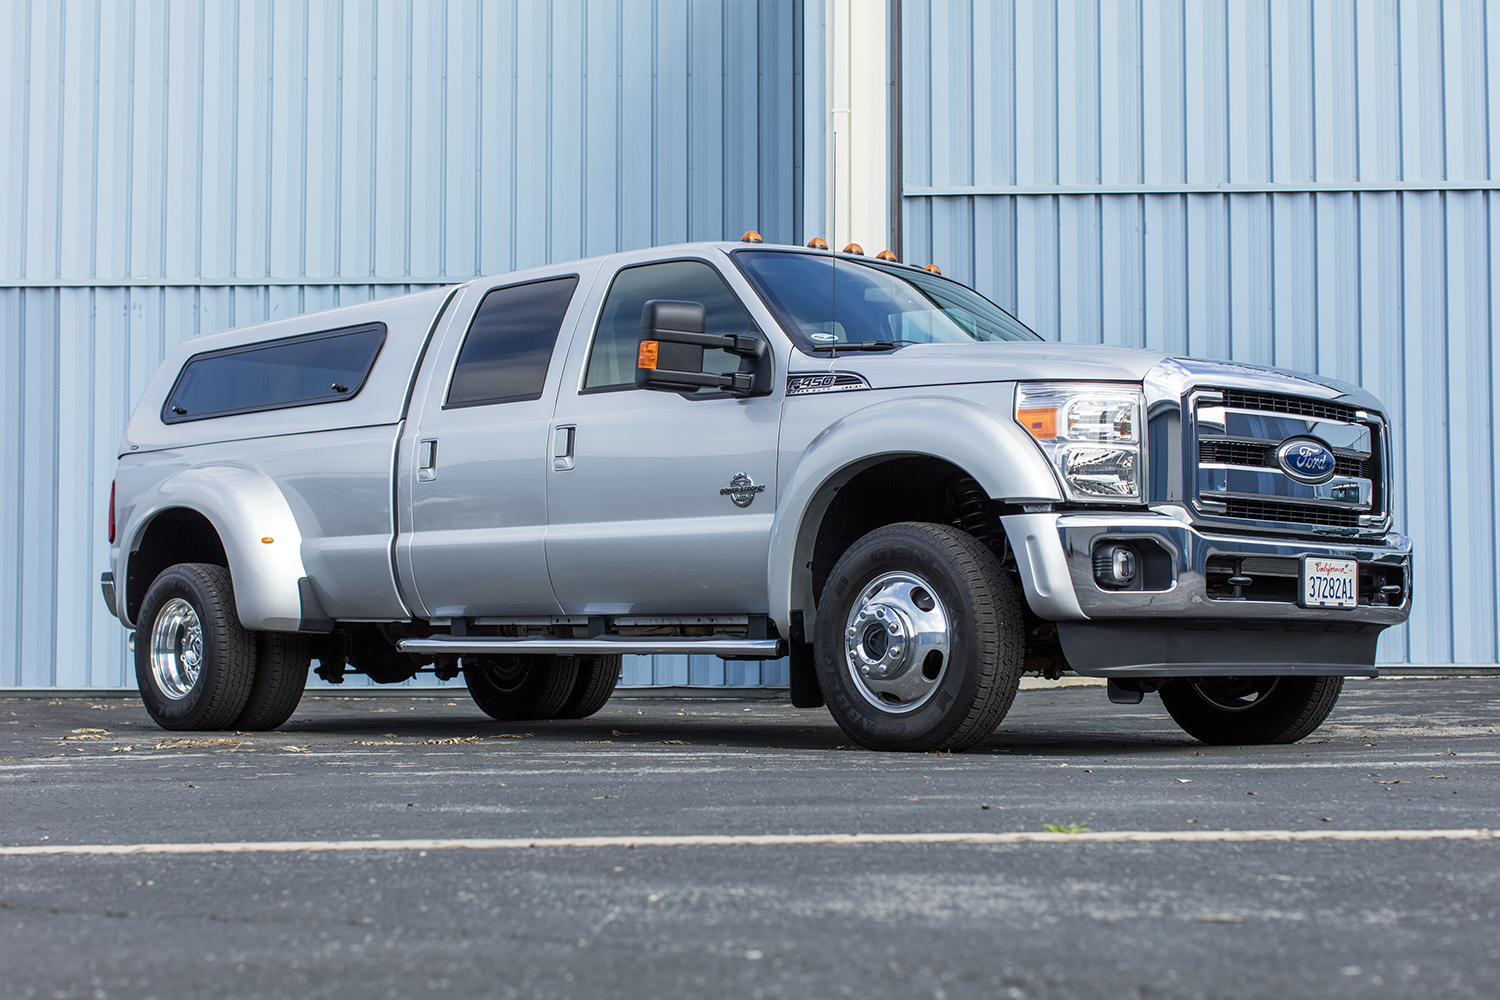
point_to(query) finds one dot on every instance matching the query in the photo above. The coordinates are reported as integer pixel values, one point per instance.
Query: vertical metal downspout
(897, 181)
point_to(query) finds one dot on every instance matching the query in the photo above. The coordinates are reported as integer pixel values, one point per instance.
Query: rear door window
(326, 367)
(509, 344)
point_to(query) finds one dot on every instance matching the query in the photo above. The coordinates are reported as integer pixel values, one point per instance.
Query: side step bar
(712, 645)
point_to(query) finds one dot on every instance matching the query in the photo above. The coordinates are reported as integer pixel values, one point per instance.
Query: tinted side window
(509, 344)
(318, 368)
(617, 343)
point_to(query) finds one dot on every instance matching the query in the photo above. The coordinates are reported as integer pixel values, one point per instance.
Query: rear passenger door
(475, 464)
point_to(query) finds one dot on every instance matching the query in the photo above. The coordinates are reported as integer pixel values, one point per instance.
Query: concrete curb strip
(757, 840)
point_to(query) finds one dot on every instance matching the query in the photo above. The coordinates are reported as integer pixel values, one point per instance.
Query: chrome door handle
(562, 447)
(426, 460)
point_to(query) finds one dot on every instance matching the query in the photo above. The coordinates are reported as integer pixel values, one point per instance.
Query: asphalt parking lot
(1217, 917)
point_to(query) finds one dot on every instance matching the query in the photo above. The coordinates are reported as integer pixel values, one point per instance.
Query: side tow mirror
(672, 346)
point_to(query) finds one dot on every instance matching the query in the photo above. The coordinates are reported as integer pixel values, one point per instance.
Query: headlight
(1090, 432)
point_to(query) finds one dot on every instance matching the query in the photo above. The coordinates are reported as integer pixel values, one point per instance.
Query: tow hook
(1131, 690)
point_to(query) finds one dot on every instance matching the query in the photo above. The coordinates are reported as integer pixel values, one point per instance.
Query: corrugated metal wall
(1301, 184)
(178, 168)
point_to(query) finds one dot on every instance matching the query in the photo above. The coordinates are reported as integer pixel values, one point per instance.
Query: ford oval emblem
(1306, 460)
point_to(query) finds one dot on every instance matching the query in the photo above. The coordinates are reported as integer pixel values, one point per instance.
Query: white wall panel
(184, 167)
(1304, 184)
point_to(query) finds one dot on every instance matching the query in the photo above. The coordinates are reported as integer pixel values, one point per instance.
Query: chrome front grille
(1237, 476)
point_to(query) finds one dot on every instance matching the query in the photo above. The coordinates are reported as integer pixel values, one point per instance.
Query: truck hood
(1010, 361)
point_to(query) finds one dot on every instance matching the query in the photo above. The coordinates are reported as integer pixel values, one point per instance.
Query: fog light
(1115, 566)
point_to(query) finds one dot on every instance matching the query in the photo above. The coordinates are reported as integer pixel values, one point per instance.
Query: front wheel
(919, 642)
(194, 661)
(1241, 711)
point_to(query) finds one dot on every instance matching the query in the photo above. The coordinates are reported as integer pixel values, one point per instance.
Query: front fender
(991, 448)
(255, 524)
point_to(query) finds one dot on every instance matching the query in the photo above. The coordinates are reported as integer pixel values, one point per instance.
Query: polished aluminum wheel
(1235, 694)
(176, 649)
(896, 642)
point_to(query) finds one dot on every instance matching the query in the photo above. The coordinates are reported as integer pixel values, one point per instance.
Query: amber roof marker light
(933, 268)
(885, 255)
(818, 243)
(855, 248)
(751, 236)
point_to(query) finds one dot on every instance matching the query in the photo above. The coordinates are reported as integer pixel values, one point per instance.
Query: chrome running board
(709, 645)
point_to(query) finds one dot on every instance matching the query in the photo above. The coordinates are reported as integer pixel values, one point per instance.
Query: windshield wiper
(865, 345)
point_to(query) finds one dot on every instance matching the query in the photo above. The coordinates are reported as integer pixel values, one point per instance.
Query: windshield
(826, 302)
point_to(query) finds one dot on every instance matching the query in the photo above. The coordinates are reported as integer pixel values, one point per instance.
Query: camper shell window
(326, 367)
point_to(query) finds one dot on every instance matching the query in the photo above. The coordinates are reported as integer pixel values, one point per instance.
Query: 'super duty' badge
(741, 490)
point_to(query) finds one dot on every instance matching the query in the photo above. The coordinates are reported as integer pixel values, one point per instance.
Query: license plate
(1329, 583)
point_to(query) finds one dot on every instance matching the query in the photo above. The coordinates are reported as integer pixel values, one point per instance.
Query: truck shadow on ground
(699, 734)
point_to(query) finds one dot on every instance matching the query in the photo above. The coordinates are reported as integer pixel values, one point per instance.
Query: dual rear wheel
(516, 688)
(198, 668)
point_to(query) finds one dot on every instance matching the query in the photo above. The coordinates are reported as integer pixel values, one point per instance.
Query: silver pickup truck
(748, 451)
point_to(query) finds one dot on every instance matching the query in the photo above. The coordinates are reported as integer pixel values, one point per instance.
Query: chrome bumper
(1181, 630)
(1055, 555)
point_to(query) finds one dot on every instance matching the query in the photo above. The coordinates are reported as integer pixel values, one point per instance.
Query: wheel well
(176, 535)
(911, 488)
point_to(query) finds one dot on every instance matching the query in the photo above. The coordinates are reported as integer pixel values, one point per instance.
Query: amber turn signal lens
(751, 237)
(885, 255)
(647, 358)
(1040, 423)
(818, 243)
(855, 248)
(933, 268)
(268, 540)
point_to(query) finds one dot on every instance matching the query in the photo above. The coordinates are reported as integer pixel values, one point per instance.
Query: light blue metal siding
(179, 168)
(1308, 185)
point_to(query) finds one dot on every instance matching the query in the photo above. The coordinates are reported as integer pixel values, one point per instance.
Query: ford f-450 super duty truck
(750, 451)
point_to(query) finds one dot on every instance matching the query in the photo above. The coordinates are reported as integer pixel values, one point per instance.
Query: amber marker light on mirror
(1040, 423)
(751, 237)
(855, 248)
(885, 255)
(649, 351)
(818, 243)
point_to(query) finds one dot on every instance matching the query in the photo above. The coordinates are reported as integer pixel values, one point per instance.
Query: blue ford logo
(1306, 460)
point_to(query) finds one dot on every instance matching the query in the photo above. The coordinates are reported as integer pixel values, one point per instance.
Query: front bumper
(1187, 626)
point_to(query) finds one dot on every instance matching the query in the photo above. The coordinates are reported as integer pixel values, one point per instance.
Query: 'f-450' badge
(741, 490)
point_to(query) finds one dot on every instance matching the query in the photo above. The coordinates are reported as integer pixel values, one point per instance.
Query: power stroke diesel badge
(741, 490)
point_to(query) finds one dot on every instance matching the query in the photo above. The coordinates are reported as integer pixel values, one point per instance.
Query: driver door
(661, 502)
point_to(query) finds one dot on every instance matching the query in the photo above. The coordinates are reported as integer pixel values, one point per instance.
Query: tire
(512, 687)
(952, 649)
(281, 666)
(1242, 711)
(194, 661)
(597, 677)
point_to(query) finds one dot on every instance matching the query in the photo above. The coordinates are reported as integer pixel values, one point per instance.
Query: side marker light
(267, 540)
(1040, 423)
